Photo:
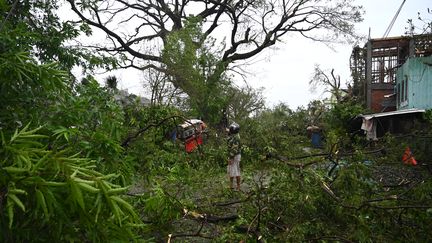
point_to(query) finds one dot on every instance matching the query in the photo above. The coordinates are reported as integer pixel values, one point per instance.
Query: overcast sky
(285, 71)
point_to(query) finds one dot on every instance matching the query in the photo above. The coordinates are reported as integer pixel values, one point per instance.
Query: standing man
(234, 154)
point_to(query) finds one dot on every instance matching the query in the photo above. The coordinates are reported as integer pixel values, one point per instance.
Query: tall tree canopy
(141, 29)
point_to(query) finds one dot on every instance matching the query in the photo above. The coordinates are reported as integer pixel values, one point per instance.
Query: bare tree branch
(111, 33)
(273, 20)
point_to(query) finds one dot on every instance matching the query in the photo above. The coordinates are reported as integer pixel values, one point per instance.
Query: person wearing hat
(234, 155)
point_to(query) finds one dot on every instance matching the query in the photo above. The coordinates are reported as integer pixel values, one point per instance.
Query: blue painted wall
(416, 75)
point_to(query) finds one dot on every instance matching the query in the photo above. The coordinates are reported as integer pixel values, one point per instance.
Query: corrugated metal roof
(392, 113)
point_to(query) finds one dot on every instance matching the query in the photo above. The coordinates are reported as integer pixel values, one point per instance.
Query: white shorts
(234, 168)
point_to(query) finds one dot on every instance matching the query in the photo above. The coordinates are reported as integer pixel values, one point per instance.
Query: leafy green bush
(340, 117)
(56, 195)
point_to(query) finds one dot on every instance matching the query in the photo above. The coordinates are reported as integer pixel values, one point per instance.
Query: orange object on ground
(191, 134)
(193, 142)
(408, 158)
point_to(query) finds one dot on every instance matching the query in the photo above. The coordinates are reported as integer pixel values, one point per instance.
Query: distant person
(234, 155)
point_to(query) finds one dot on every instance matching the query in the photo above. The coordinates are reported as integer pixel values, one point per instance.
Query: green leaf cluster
(196, 70)
(57, 195)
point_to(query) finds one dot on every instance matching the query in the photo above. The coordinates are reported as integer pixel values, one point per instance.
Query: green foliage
(338, 125)
(90, 121)
(65, 167)
(215, 155)
(51, 176)
(339, 118)
(61, 191)
(28, 88)
(181, 51)
(160, 208)
(196, 70)
(428, 115)
(277, 130)
(305, 205)
(244, 102)
(35, 27)
(87, 119)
